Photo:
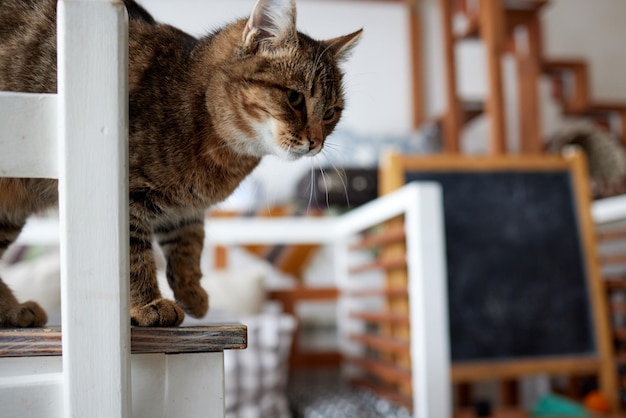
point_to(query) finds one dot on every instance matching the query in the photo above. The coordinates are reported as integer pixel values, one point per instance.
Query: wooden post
(622, 124)
(492, 32)
(28, 149)
(417, 62)
(528, 57)
(597, 289)
(93, 203)
(428, 303)
(452, 117)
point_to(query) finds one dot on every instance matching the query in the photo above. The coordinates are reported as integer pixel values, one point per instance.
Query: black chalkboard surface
(525, 291)
(517, 282)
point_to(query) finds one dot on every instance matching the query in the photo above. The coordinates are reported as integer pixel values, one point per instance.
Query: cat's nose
(314, 142)
(315, 135)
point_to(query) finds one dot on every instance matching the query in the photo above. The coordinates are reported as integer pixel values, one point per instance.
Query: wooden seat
(39, 342)
(175, 371)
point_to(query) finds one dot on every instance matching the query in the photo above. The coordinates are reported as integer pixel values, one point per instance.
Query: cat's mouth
(297, 148)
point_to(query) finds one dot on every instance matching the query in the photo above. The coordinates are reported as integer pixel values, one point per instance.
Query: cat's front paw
(158, 313)
(25, 315)
(193, 299)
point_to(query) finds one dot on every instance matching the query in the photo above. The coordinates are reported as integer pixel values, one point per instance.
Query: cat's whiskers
(323, 174)
(311, 188)
(335, 148)
(341, 172)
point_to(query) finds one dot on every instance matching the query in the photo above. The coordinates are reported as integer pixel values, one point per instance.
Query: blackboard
(517, 282)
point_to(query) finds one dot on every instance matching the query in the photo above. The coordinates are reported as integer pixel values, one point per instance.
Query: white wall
(595, 30)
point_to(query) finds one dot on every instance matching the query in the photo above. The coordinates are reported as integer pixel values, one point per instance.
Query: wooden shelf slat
(618, 307)
(36, 342)
(616, 283)
(380, 264)
(382, 344)
(612, 259)
(620, 358)
(385, 371)
(607, 106)
(313, 360)
(611, 235)
(619, 333)
(382, 317)
(386, 237)
(564, 64)
(298, 294)
(386, 292)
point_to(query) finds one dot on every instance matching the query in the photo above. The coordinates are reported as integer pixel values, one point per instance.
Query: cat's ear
(342, 45)
(272, 25)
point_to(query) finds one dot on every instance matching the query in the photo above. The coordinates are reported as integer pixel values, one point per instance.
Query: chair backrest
(79, 137)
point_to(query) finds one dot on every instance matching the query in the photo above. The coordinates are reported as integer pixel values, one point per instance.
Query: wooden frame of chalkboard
(524, 281)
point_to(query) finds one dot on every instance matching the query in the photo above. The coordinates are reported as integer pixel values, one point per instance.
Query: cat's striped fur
(202, 114)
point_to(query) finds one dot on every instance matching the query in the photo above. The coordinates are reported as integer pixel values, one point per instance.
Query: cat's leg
(182, 245)
(147, 307)
(12, 312)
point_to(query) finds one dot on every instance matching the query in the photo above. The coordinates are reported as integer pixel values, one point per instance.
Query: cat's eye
(329, 115)
(296, 100)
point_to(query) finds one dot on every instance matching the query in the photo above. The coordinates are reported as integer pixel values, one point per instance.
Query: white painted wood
(173, 386)
(271, 231)
(19, 366)
(149, 373)
(28, 136)
(299, 230)
(32, 396)
(187, 385)
(380, 210)
(428, 303)
(195, 385)
(93, 204)
(609, 209)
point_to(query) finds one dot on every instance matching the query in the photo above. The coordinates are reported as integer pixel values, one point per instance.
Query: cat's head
(283, 89)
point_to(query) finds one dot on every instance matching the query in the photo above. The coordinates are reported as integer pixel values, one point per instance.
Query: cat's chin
(293, 155)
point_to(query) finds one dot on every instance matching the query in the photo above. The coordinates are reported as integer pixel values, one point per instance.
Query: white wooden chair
(80, 137)
(421, 206)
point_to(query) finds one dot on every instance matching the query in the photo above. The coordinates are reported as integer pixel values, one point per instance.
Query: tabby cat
(203, 112)
(605, 152)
